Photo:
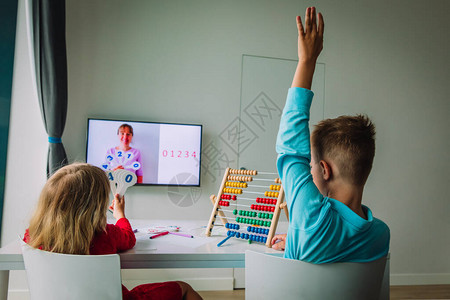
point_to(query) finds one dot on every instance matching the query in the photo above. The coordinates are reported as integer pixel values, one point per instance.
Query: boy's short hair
(350, 142)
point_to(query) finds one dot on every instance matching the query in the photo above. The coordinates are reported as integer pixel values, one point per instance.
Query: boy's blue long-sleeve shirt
(321, 229)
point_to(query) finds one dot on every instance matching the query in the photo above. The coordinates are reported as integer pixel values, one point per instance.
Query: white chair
(64, 276)
(273, 277)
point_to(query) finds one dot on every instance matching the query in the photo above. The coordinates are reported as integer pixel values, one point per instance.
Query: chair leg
(4, 279)
(385, 284)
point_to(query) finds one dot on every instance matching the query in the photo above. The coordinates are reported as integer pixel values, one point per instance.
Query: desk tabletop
(169, 251)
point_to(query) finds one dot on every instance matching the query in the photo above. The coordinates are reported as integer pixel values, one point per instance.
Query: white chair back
(273, 277)
(63, 276)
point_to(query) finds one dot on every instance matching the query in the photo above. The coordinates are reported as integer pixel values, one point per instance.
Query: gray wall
(180, 61)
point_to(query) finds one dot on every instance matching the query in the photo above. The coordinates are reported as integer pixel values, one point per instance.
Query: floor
(397, 293)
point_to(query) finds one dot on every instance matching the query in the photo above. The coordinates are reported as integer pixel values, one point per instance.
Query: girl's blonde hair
(71, 210)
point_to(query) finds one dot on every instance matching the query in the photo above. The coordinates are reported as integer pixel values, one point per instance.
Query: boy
(324, 182)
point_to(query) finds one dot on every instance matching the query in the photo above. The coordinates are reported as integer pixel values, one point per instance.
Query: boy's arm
(293, 145)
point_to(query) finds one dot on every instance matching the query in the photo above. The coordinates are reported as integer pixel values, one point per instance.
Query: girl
(71, 219)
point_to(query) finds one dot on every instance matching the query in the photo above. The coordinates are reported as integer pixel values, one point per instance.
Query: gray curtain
(49, 31)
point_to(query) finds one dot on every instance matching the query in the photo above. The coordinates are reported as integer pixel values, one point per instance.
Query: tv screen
(158, 153)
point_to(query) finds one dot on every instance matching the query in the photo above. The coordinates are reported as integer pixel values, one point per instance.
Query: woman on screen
(124, 156)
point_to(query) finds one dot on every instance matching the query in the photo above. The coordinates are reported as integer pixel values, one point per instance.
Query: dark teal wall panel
(8, 19)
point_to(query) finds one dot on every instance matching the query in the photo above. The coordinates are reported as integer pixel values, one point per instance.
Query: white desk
(169, 251)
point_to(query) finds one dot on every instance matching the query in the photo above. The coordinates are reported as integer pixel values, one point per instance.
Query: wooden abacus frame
(245, 176)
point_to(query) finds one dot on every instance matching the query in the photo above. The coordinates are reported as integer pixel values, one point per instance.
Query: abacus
(255, 222)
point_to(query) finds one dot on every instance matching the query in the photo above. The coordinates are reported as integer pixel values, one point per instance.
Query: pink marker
(182, 234)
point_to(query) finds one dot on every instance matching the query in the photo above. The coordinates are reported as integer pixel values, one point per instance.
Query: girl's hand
(118, 207)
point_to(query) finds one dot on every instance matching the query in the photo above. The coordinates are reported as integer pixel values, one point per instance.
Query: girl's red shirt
(116, 238)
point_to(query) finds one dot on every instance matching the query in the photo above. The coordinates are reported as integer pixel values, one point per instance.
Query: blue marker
(226, 239)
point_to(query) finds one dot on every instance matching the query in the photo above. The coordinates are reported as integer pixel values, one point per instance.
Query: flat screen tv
(158, 153)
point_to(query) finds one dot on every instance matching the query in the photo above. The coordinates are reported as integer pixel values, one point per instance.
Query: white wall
(180, 61)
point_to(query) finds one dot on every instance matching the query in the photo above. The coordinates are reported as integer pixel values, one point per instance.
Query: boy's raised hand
(310, 37)
(310, 44)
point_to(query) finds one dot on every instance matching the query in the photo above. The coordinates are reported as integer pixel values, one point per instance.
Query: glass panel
(265, 82)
